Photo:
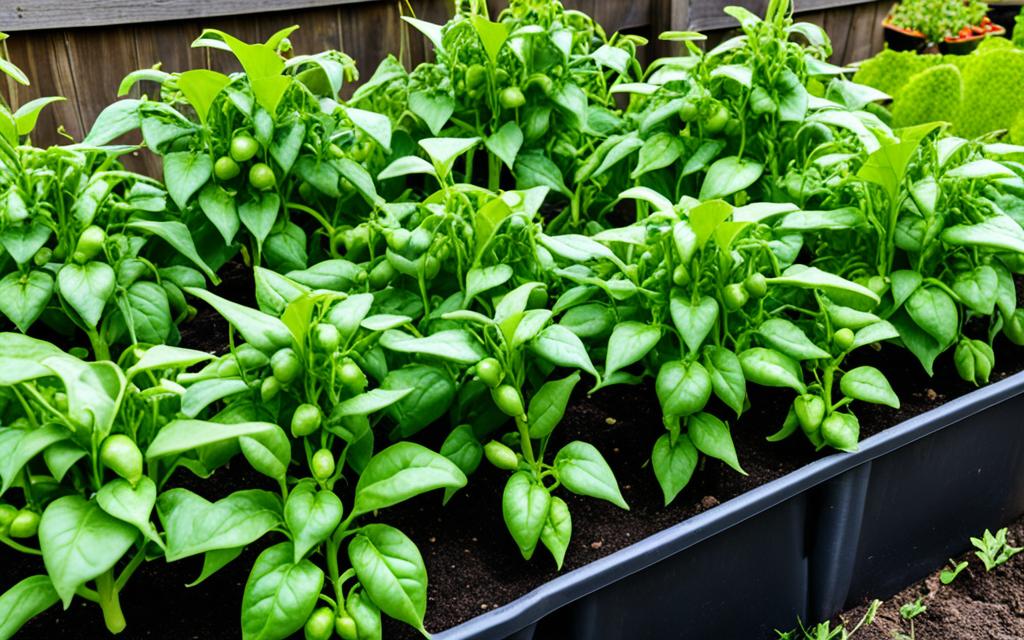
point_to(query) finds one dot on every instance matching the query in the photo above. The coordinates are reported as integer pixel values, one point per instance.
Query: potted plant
(956, 26)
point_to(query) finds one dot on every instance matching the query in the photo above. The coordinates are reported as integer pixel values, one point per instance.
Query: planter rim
(997, 32)
(575, 584)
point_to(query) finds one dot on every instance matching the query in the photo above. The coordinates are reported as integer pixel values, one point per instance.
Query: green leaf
(433, 109)
(214, 561)
(287, 144)
(770, 368)
(133, 505)
(22, 241)
(407, 165)
(790, 340)
(934, 311)
(365, 613)
(870, 385)
(195, 525)
(464, 449)
(727, 378)
(265, 332)
(915, 339)
(630, 341)
(492, 35)
(94, 391)
(181, 436)
(23, 297)
(457, 345)
(259, 215)
(682, 388)
(372, 401)
(311, 516)
(525, 505)
(373, 124)
(659, 151)
(28, 113)
(582, 469)
(694, 321)
(704, 219)
(978, 289)
(219, 208)
(729, 175)
(444, 151)
(79, 542)
(1000, 233)
(673, 464)
(269, 452)
(147, 312)
(814, 278)
(184, 173)
(390, 568)
(400, 472)
(481, 279)
(904, 283)
(837, 219)
(280, 594)
(557, 530)
(534, 169)
(430, 393)
(201, 87)
(87, 288)
(548, 405)
(563, 348)
(24, 601)
(113, 122)
(711, 437)
(178, 236)
(21, 445)
(873, 333)
(505, 143)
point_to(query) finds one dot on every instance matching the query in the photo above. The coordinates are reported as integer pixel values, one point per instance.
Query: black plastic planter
(808, 544)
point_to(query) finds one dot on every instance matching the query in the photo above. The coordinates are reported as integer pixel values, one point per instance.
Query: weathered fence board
(87, 64)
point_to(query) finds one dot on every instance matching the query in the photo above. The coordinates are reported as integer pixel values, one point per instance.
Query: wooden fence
(80, 49)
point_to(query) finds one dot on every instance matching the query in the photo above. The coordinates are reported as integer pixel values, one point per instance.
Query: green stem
(20, 547)
(100, 348)
(110, 603)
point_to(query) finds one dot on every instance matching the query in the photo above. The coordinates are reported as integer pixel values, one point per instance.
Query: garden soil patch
(978, 605)
(473, 564)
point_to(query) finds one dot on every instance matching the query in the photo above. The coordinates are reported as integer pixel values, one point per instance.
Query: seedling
(993, 550)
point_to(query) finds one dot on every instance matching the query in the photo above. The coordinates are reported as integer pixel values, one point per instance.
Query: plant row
(458, 250)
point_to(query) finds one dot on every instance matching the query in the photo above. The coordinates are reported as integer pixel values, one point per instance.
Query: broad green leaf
(133, 505)
(181, 436)
(999, 232)
(113, 122)
(269, 452)
(978, 289)
(557, 530)
(430, 393)
(870, 385)
(582, 469)
(505, 143)
(279, 595)
(433, 109)
(481, 279)
(390, 568)
(23, 240)
(525, 505)
(694, 321)
(21, 445)
(729, 175)
(683, 389)
(407, 165)
(214, 561)
(934, 311)
(201, 87)
(838, 219)
(790, 339)
(629, 343)
(372, 401)
(711, 437)
(23, 297)
(492, 35)
(673, 464)
(456, 345)
(400, 472)
(311, 515)
(814, 278)
(373, 124)
(563, 348)
(219, 208)
(185, 172)
(548, 405)
(464, 449)
(79, 542)
(265, 332)
(87, 288)
(444, 151)
(259, 215)
(727, 378)
(195, 525)
(770, 368)
(24, 601)
(535, 169)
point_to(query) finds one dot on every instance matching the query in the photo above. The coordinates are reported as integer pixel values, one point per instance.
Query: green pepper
(716, 120)
(761, 101)
(120, 454)
(756, 285)
(501, 456)
(476, 76)
(262, 177)
(346, 627)
(540, 82)
(7, 515)
(285, 365)
(689, 111)
(810, 411)
(489, 372)
(844, 338)
(306, 420)
(243, 148)
(320, 624)
(89, 244)
(269, 389)
(508, 400)
(735, 296)
(382, 274)
(322, 464)
(326, 337)
(226, 169)
(352, 377)
(512, 98)
(681, 275)
(24, 525)
(974, 360)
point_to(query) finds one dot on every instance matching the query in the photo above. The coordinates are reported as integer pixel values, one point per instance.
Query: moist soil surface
(978, 604)
(473, 564)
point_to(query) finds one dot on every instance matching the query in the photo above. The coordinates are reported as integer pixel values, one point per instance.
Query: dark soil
(473, 564)
(978, 604)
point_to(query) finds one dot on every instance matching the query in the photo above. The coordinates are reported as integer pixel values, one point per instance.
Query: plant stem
(110, 602)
